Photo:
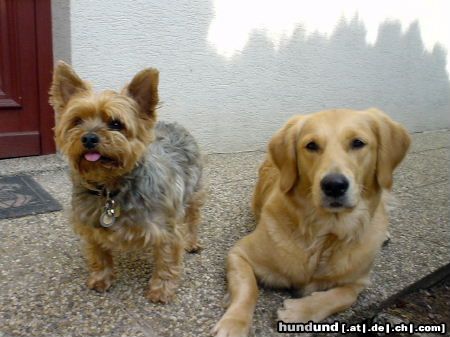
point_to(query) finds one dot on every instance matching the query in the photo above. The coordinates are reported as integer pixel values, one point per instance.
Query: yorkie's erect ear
(143, 88)
(66, 84)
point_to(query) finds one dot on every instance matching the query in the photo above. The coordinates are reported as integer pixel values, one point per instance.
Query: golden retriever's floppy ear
(65, 85)
(283, 151)
(393, 143)
(143, 88)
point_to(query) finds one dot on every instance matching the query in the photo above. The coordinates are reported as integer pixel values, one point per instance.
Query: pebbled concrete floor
(42, 272)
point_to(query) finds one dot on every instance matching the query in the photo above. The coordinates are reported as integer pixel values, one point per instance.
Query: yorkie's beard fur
(143, 178)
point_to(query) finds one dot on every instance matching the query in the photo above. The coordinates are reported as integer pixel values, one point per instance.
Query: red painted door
(25, 73)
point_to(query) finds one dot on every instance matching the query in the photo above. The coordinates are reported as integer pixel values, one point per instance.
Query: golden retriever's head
(338, 157)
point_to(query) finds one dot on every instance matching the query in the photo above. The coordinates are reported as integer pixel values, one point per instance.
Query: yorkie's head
(103, 135)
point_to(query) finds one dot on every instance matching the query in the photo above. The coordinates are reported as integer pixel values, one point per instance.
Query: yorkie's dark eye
(357, 144)
(115, 125)
(312, 146)
(77, 121)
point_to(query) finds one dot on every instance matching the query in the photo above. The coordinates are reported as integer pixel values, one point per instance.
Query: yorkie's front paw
(162, 291)
(100, 280)
(193, 247)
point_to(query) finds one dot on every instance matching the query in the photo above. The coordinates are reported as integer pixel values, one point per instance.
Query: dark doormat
(21, 195)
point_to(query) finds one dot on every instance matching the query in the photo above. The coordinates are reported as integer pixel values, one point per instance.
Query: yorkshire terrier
(136, 182)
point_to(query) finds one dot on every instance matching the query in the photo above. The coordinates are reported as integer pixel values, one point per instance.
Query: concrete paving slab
(424, 214)
(42, 284)
(31, 165)
(421, 194)
(422, 169)
(423, 141)
(232, 167)
(43, 273)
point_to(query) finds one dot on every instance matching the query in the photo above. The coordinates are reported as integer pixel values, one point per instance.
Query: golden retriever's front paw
(231, 327)
(100, 280)
(296, 311)
(162, 291)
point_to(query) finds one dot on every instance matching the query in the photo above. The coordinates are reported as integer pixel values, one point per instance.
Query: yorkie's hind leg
(168, 259)
(100, 263)
(192, 220)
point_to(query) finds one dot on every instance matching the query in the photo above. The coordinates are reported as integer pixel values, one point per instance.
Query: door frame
(44, 52)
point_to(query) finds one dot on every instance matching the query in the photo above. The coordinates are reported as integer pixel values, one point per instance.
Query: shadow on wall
(241, 101)
(309, 74)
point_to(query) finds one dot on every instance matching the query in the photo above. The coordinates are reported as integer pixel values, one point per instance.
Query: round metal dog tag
(107, 220)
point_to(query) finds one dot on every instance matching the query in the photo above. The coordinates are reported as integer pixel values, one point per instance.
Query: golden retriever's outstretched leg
(243, 291)
(319, 305)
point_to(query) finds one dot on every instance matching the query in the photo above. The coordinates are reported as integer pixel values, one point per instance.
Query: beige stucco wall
(234, 101)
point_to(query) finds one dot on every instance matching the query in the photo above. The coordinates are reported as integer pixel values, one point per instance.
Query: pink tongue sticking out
(92, 156)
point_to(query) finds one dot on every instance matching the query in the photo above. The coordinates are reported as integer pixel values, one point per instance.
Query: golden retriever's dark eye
(115, 125)
(312, 146)
(357, 144)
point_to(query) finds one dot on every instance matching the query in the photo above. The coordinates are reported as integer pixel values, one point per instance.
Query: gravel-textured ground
(42, 271)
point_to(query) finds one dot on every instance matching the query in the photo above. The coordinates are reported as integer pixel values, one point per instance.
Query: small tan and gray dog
(136, 182)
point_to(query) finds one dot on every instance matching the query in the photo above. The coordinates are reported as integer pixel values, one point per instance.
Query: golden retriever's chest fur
(321, 252)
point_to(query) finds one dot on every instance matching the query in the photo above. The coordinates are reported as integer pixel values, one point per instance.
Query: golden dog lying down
(321, 215)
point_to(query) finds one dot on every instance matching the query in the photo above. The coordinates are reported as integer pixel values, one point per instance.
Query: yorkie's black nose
(334, 185)
(90, 140)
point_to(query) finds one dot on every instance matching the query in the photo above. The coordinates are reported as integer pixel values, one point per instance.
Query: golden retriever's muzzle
(335, 188)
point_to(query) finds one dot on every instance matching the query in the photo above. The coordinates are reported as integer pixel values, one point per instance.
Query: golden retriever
(321, 215)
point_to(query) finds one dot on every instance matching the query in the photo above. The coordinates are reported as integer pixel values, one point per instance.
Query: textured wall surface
(62, 47)
(235, 104)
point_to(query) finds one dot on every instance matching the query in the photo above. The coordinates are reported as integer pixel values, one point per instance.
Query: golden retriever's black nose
(90, 140)
(334, 185)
